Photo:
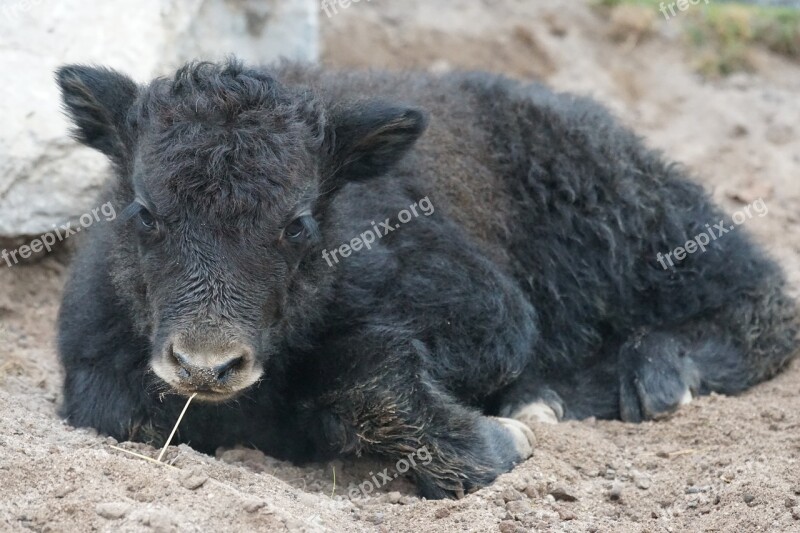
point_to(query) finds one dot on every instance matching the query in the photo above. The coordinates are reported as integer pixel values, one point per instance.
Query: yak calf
(529, 287)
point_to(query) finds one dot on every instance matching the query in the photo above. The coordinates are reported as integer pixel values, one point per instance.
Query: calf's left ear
(98, 100)
(366, 141)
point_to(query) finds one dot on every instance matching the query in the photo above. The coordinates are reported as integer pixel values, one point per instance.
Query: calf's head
(222, 175)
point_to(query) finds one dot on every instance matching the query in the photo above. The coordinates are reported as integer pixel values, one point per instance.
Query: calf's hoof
(522, 436)
(538, 413)
(501, 444)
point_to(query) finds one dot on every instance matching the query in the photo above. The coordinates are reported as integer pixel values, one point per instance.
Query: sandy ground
(719, 464)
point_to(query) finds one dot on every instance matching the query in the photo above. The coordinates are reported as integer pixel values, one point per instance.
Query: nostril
(183, 364)
(227, 369)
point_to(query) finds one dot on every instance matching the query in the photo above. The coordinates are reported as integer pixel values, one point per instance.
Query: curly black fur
(535, 278)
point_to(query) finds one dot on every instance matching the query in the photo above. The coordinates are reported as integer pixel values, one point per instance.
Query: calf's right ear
(368, 139)
(98, 100)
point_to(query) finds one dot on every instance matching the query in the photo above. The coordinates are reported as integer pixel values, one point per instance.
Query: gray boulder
(45, 178)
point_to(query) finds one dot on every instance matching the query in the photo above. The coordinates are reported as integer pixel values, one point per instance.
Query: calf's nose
(201, 373)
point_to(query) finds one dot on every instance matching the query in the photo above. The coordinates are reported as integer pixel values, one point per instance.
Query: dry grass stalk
(174, 429)
(166, 445)
(140, 456)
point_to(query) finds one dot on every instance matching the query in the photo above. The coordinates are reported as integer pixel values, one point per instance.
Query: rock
(519, 507)
(508, 526)
(566, 514)
(531, 492)
(511, 495)
(520, 484)
(790, 502)
(539, 489)
(748, 498)
(158, 521)
(561, 493)
(193, 479)
(253, 459)
(112, 510)
(376, 518)
(252, 505)
(47, 179)
(442, 512)
(394, 497)
(796, 513)
(615, 492)
(500, 513)
(64, 490)
(642, 481)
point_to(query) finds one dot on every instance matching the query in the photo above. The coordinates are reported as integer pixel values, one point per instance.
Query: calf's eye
(296, 230)
(146, 219)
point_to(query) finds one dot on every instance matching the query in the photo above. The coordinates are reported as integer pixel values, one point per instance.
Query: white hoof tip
(686, 399)
(536, 413)
(524, 439)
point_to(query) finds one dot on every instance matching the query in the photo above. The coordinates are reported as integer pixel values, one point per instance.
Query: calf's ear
(98, 100)
(367, 140)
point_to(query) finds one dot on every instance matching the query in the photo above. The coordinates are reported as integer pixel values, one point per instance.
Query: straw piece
(678, 453)
(166, 445)
(140, 456)
(334, 481)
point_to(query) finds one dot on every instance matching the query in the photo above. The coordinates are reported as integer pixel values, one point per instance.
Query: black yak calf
(512, 270)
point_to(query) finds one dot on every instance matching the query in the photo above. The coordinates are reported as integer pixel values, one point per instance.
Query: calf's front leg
(379, 400)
